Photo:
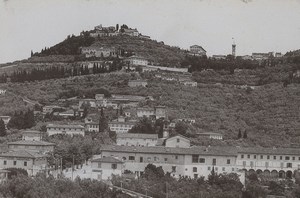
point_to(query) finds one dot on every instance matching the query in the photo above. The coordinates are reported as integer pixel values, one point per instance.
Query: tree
(245, 135)
(143, 126)
(103, 124)
(2, 128)
(240, 134)
(31, 53)
(181, 128)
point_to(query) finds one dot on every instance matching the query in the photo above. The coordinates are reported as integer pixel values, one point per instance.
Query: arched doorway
(289, 174)
(266, 173)
(281, 174)
(251, 171)
(258, 171)
(274, 174)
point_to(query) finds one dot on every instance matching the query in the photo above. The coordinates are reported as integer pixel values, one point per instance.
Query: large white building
(72, 129)
(136, 60)
(103, 168)
(197, 50)
(137, 139)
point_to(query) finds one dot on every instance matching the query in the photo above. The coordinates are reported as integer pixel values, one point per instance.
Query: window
(131, 158)
(166, 159)
(195, 176)
(114, 166)
(261, 157)
(248, 156)
(195, 158)
(228, 161)
(223, 168)
(293, 158)
(244, 163)
(280, 157)
(242, 156)
(178, 140)
(15, 163)
(208, 168)
(268, 156)
(254, 156)
(274, 157)
(4, 162)
(173, 168)
(232, 169)
(176, 156)
(287, 158)
(141, 159)
(202, 160)
(155, 158)
(251, 164)
(194, 169)
(214, 161)
(25, 163)
(289, 165)
(267, 164)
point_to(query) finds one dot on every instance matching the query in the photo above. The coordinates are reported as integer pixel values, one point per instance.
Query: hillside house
(103, 51)
(72, 129)
(32, 162)
(32, 135)
(136, 60)
(197, 50)
(219, 57)
(131, 32)
(121, 125)
(189, 83)
(91, 124)
(136, 139)
(51, 108)
(103, 168)
(99, 96)
(31, 145)
(5, 119)
(178, 141)
(261, 56)
(137, 83)
(2, 91)
(156, 112)
(144, 37)
(66, 114)
(216, 136)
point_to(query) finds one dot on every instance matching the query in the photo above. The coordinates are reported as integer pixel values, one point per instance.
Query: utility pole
(167, 190)
(72, 167)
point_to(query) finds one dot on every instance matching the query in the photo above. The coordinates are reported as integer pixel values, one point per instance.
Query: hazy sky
(257, 26)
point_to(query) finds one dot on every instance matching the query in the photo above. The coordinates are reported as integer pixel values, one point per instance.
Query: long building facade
(196, 161)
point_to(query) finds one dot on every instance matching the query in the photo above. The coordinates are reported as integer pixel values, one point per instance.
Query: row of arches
(274, 173)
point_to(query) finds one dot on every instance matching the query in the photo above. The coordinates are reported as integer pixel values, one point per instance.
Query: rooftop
(22, 154)
(137, 135)
(196, 150)
(73, 126)
(107, 160)
(31, 142)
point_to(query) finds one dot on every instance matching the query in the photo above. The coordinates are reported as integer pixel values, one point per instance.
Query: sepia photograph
(149, 98)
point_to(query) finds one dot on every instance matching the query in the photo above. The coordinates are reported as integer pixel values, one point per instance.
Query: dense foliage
(42, 186)
(156, 183)
(22, 120)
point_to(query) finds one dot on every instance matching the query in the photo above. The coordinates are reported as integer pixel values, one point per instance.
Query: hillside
(269, 113)
(155, 52)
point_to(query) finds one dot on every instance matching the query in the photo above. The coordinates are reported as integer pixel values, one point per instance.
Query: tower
(233, 48)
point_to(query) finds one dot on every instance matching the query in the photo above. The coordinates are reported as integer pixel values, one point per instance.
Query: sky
(255, 25)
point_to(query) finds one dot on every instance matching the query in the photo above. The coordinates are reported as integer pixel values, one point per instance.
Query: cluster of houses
(176, 155)
(30, 153)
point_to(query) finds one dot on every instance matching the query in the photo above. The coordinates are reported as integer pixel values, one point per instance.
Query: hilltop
(69, 50)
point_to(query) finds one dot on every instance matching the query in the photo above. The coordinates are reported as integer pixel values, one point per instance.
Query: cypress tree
(240, 134)
(2, 128)
(245, 135)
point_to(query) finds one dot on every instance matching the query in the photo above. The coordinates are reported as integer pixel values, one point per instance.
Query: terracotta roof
(22, 154)
(196, 150)
(65, 126)
(271, 151)
(30, 142)
(137, 135)
(107, 160)
(32, 131)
